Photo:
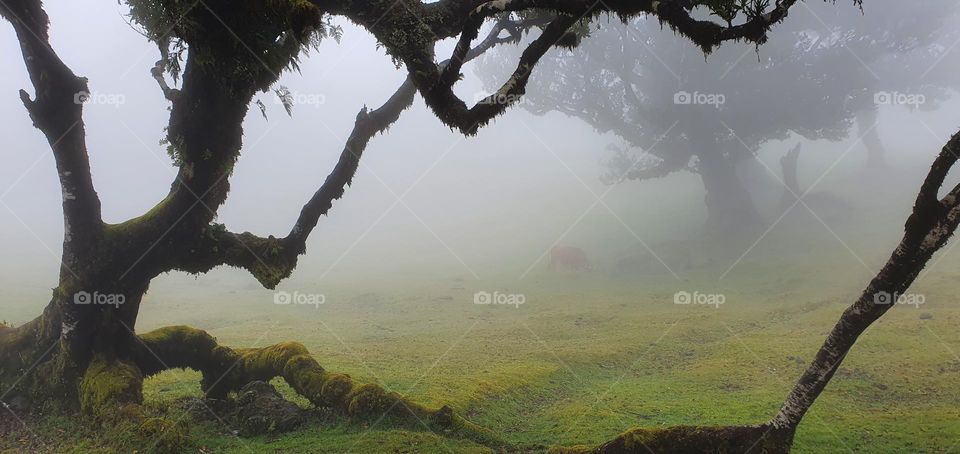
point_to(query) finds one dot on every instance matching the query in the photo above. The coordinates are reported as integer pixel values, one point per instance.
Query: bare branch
(57, 111)
(929, 227)
(159, 69)
(272, 259)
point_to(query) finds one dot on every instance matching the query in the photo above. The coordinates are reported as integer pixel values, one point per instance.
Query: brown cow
(569, 258)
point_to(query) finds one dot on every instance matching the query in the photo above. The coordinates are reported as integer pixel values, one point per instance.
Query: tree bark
(876, 151)
(730, 208)
(928, 228)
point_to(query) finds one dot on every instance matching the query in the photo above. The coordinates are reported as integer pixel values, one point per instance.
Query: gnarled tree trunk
(730, 208)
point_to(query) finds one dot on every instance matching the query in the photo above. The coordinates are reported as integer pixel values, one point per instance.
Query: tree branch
(273, 259)
(57, 110)
(410, 33)
(927, 229)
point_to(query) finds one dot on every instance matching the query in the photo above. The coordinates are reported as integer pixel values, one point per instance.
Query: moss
(266, 36)
(693, 439)
(335, 388)
(108, 385)
(165, 435)
(183, 346)
(369, 400)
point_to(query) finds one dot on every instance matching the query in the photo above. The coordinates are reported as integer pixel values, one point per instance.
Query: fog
(427, 203)
(657, 241)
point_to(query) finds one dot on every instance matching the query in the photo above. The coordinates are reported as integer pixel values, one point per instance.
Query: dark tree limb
(424, 24)
(273, 259)
(56, 110)
(927, 229)
(453, 111)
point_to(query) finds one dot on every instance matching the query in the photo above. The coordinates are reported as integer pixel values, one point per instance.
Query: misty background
(427, 203)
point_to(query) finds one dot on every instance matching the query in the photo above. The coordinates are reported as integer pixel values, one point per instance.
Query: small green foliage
(250, 41)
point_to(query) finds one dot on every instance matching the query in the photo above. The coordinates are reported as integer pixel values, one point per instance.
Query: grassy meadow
(588, 354)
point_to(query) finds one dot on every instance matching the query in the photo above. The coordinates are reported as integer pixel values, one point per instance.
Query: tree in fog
(82, 353)
(893, 51)
(675, 109)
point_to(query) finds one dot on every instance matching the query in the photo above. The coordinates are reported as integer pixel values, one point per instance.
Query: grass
(578, 369)
(589, 356)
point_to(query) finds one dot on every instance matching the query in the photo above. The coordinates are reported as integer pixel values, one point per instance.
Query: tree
(928, 228)
(82, 352)
(675, 111)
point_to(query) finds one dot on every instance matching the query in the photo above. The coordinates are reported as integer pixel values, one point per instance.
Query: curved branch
(928, 228)
(160, 67)
(225, 369)
(435, 82)
(453, 111)
(659, 170)
(273, 259)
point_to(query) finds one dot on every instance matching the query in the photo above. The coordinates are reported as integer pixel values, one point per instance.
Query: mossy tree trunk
(82, 353)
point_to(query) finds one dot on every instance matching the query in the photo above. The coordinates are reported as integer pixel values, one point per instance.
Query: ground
(587, 355)
(575, 368)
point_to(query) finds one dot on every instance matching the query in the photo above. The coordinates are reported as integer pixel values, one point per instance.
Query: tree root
(225, 369)
(692, 439)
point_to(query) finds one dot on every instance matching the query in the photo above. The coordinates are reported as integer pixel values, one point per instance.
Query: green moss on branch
(226, 370)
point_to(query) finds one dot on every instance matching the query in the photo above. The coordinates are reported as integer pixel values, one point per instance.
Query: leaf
(263, 109)
(286, 98)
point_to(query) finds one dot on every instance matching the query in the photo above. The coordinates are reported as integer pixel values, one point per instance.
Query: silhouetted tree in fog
(676, 109)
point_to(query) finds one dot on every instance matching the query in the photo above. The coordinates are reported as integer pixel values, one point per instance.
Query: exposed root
(693, 439)
(109, 385)
(225, 370)
(111, 391)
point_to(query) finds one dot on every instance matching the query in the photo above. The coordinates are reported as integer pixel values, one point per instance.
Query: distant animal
(569, 258)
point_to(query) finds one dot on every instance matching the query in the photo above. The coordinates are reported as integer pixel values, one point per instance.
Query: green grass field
(576, 366)
(587, 356)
